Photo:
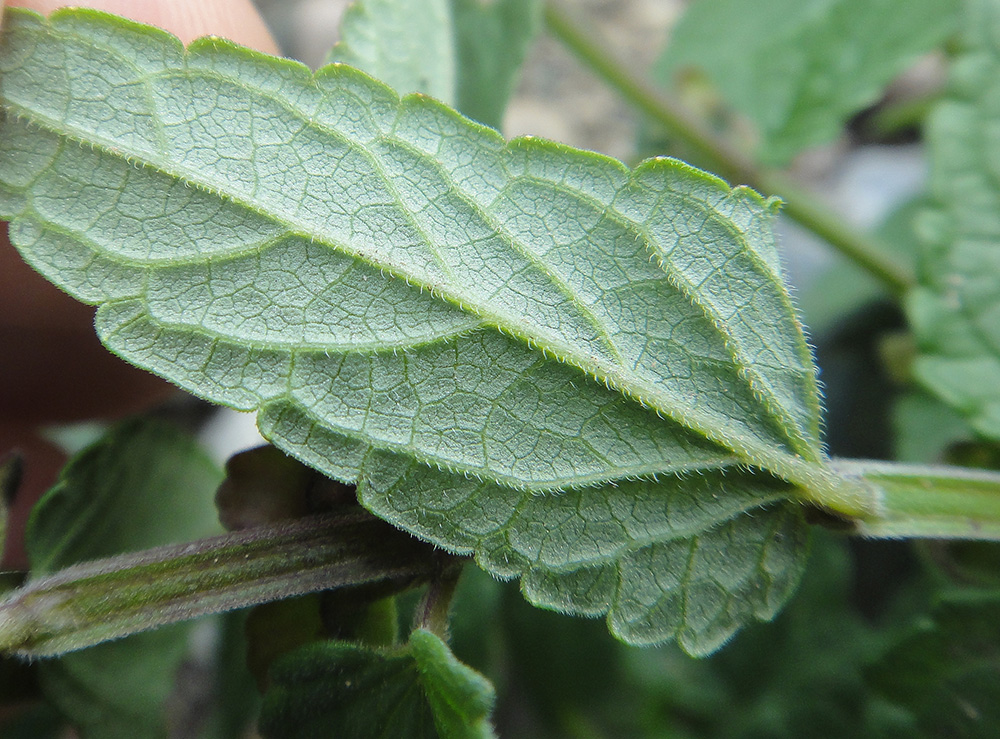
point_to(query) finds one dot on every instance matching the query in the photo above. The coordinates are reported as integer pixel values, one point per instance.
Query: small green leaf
(339, 689)
(460, 698)
(492, 38)
(799, 68)
(955, 311)
(407, 44)
(143, 484)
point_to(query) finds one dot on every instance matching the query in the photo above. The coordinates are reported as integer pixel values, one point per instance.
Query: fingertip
(237, 20)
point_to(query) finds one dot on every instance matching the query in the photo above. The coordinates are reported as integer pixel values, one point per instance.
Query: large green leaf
(142, 485)
(492, 38)
(466, 53)
(799, 68)
(340, 689)
(392, 286)
(408, 44)
(956, 309)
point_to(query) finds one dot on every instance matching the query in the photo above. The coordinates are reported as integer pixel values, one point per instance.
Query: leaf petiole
(927, 501)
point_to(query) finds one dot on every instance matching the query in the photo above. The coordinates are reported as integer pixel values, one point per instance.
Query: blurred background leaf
(145, 483)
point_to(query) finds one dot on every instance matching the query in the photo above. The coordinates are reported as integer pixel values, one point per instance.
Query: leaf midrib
(614, 374)
(784, 463)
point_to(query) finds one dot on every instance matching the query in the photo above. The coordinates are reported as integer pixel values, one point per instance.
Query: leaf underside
(955, 310)
(390, 285)
(690, 559)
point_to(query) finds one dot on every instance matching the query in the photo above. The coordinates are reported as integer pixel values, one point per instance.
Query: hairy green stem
(106, 599)
(711, 152)
(928, 502)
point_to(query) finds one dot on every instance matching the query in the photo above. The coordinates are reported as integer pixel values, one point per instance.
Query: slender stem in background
(436, 605)
(717, 155)
(95, 601)
(11, 472)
